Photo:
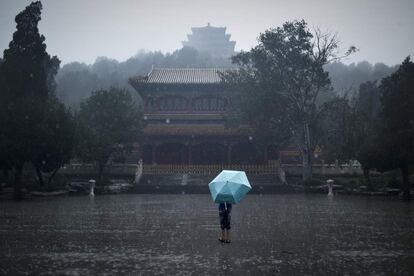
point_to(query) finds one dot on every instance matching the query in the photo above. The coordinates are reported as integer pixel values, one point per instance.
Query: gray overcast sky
(81, 30)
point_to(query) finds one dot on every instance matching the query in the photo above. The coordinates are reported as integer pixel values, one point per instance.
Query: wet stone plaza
(178, 235)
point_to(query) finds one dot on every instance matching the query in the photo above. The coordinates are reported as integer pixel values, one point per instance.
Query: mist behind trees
(348, 78)
(77, 80)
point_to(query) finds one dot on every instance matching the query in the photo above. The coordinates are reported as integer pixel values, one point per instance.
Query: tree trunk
(306, 154)
(101, 168)
(306, 166)
(40, 177)
(367, 178)
(18, 181)
(406, 187)
(52, 175)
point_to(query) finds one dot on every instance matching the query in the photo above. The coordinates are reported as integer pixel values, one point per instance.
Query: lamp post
(330, 182)
(92, 187)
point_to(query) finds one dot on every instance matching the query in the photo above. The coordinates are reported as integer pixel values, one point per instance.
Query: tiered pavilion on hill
(212, 40)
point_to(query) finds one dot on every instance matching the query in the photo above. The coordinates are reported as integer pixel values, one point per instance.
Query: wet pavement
(177, 235)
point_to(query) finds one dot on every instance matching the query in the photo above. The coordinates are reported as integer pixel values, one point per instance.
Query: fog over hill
(79, 30)
(77, 80)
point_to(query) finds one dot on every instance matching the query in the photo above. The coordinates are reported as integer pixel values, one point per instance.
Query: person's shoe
(227, 241)
(221, 240)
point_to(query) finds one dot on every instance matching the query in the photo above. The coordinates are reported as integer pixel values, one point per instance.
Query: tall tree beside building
(366, 109)
(28, 73)
(350, 128)
(397, 116)
(107, 120)
(281, 83)
(4, 155)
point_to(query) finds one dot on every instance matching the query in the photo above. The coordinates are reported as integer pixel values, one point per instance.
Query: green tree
(106, 120)
(366, 148)
(28, 72)
(397, 117)
(282, 82)
(56, 141)
(336, 130)
(351, 128)
(5, 164)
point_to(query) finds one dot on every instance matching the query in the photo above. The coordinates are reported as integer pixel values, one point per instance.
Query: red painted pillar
(153, 154)
(265, 155)
(190, 154)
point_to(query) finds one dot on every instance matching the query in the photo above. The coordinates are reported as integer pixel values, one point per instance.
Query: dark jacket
(225, 208)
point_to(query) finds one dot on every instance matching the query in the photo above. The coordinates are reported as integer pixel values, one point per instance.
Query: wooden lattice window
(209, 104)
(172, 103)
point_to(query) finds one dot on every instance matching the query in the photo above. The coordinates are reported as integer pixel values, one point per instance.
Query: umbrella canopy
(229, 186)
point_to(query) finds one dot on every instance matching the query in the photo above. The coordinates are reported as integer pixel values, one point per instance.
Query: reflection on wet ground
(177, 235)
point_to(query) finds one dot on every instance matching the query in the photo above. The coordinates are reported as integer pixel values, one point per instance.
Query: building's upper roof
(183, 75)
(212, 40)
(209, 29)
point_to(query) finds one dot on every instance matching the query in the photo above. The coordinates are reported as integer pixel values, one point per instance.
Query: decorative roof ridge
(184, 75)
(209, 26)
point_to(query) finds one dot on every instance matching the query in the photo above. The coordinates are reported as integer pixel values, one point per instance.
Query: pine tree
(28, 74)
(397, 132)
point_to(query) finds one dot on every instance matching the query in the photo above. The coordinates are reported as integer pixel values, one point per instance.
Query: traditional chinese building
(184, 109)
(212, 40)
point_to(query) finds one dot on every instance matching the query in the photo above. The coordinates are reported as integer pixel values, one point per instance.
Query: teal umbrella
(229, 186)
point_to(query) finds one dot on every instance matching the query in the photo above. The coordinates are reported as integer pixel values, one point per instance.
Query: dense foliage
(281, 84)
(350, 128)
(397, 122)
(108, 120)
(376, 127)
(27, 99)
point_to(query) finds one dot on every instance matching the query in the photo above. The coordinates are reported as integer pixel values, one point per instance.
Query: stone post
(330, 182)
(92, 187)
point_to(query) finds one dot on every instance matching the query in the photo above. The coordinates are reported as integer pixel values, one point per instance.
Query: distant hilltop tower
(212, 40)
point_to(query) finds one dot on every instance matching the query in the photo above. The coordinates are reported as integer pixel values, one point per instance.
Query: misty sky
(81, 30)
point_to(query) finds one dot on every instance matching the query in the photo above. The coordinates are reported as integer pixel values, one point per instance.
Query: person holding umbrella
(228, 188)
(225, 221)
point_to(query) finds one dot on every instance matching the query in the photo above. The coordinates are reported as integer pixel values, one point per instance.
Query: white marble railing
(86, 169)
